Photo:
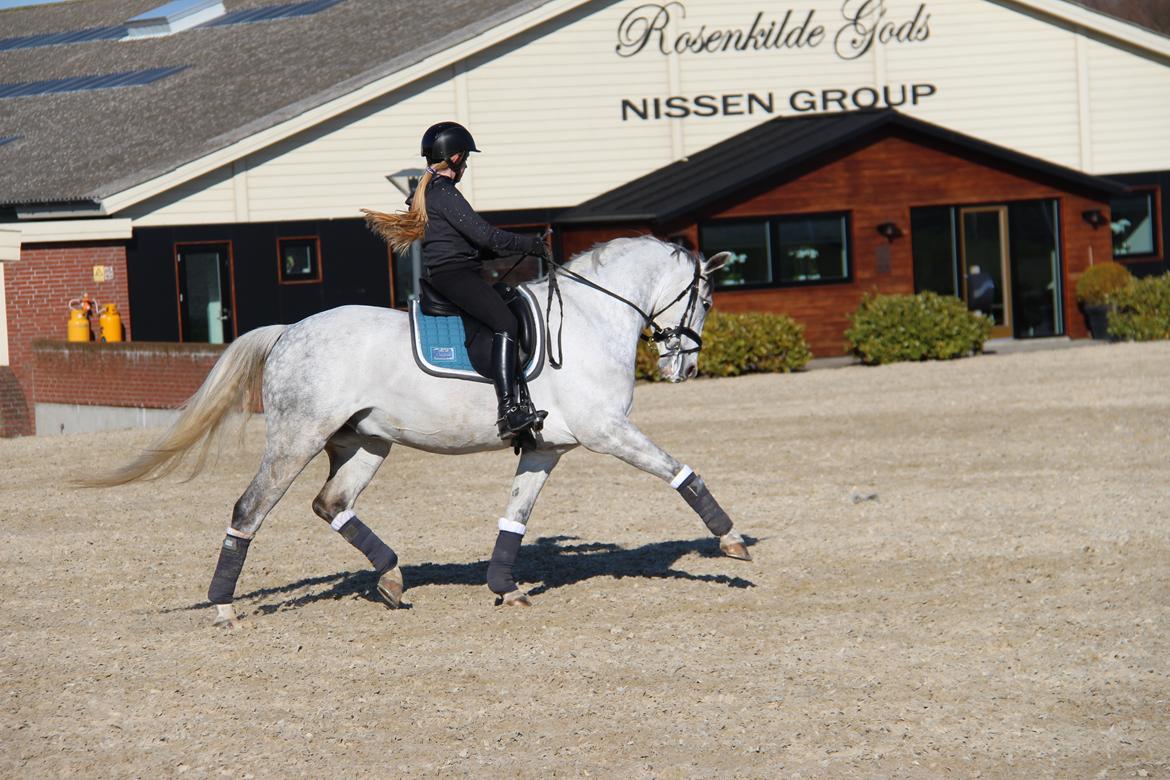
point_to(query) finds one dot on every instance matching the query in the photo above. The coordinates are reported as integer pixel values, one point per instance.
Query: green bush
(1141, 311)
(735, 344)
(927, 326)
(1100, 281)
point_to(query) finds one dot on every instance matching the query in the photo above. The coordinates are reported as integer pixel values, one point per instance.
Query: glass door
(205, 297)
(986, 274)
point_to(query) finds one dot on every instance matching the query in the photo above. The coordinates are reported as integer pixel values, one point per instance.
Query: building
(201, 164)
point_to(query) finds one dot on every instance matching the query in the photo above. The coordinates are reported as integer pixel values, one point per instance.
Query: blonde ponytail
(403, 228)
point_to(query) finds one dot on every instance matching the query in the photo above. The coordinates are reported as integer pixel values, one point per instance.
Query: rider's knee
(508, 325)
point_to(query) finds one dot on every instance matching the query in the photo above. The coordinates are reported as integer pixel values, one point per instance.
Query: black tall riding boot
(514, 417)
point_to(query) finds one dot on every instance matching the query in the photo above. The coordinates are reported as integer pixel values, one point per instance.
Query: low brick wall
(151, 375)
(14, 406)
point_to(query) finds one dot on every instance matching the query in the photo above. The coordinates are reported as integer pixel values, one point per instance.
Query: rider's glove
(539, 248)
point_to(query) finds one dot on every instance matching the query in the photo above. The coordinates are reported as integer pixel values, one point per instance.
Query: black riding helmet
(443, 141)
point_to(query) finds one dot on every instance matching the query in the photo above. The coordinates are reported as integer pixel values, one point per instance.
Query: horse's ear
(716, 262)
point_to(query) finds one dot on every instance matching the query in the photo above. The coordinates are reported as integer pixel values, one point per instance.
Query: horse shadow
(551, 561)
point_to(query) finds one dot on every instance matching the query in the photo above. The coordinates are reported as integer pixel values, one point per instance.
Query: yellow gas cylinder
(78, 329)
(111, 322)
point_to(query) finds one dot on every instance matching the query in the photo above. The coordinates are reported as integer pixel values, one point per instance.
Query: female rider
(452, 236)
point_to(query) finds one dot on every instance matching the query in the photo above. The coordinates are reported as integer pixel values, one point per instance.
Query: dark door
(205, 292)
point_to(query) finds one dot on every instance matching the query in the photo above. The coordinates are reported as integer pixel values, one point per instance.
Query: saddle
(450, 344)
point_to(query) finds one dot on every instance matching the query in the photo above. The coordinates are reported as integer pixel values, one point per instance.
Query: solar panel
(132, 78)
(61, 38)
(270, 12)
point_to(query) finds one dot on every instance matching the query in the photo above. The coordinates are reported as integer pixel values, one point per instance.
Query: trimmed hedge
(735, 344)
(1141, 310)
(926, 326)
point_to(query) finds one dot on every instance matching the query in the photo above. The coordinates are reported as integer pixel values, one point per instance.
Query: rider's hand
(539, 248)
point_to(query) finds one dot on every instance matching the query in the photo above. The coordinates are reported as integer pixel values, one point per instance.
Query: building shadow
(551, 562)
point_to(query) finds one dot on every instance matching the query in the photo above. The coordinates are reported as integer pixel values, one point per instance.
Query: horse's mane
(603, 253)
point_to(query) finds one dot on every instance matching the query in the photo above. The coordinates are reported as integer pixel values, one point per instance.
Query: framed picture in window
(299, 259)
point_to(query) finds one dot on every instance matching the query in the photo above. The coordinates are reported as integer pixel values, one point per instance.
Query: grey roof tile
(240, 79)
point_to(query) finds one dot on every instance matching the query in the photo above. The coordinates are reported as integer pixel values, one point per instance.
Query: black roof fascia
(822, 134)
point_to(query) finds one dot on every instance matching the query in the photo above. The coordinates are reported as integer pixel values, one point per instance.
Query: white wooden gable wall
(546, 108)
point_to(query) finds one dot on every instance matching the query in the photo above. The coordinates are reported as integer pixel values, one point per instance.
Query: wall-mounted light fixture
(889, 230)
(406, 179)
(1095, 218)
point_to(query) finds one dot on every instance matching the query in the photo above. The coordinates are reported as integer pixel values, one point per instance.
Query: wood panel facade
(878, 181)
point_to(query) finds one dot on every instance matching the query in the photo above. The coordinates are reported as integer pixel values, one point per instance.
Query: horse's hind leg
(531, 474)
(353, 461)
(284, 459)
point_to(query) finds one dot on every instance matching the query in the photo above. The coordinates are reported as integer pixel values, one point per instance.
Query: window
(935, 250)
(750, 248)
(795, 250)
(300, 260)
(812, 248)
(1132, 223)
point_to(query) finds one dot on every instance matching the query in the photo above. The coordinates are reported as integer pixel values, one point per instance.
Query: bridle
(671, 337)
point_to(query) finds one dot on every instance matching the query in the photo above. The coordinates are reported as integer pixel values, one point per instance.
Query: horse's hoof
(733, 546)
(737, 550)
(225, 617)
(390, 588)
(516, 598)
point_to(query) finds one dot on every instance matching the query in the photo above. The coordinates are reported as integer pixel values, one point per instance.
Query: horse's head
(681, 322)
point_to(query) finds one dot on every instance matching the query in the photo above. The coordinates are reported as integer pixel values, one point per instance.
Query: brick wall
(14, 408)
(141, 374)
(37, 291)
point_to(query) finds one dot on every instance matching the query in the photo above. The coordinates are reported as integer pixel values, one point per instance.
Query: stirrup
(533, 420)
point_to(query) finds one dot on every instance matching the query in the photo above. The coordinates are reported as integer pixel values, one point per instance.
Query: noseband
(672, 337)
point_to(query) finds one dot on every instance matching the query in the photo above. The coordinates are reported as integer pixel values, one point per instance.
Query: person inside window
(454, 240)
(980, 290)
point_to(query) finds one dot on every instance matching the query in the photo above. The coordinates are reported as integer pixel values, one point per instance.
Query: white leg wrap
(341, 519)
(511, 525)
(681, 477)
(239, 534)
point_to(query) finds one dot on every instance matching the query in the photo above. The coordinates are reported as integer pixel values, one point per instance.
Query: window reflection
(1132, 224)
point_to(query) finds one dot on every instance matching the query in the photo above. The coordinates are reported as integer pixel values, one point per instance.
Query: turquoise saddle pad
(439, 350)
(439, 342)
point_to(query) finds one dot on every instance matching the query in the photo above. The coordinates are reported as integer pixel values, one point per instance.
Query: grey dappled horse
(345, 381)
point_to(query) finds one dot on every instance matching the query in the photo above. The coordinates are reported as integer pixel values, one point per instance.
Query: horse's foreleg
(531, 474)
(353, 461)
(625, 441)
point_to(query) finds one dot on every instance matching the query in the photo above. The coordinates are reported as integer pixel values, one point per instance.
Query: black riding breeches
(467, 290)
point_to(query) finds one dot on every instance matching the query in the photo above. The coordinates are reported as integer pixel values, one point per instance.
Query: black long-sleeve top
(456, 236)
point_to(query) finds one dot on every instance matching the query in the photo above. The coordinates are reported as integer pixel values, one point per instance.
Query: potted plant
(1093, 291)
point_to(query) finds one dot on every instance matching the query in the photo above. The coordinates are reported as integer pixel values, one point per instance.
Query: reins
(657, 334)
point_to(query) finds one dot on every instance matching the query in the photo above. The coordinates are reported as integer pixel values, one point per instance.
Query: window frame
(316, 279)
(772, 221)
(1154, 193)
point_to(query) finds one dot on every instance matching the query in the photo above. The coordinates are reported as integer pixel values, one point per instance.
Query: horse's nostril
(692, 371)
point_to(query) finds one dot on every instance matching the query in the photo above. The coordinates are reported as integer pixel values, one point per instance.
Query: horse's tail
(233, 385)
